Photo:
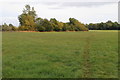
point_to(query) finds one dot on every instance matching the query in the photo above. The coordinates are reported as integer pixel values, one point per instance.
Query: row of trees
(9, 27)
(109, 25)
(46, 25)
(30, 22)
(54, 25)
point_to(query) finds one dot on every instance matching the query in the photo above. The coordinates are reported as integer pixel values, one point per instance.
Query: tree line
(30, 22)
(109, 25)
(6, 27)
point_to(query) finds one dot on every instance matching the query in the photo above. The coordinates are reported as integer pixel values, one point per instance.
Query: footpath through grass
(60, 54)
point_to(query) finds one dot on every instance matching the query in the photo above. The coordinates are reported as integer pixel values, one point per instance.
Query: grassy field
(104, 30)
(0, 54)
(60, 54)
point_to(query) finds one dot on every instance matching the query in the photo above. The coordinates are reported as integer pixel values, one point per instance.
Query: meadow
(60, 54)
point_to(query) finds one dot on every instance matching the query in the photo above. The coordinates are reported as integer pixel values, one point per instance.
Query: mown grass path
(86, 57)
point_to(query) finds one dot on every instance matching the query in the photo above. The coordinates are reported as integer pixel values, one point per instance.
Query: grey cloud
(61, 5)
(85, 4)
(50, 3)
(56, 8)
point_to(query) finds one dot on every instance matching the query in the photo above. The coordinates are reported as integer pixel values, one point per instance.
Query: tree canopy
(27, 19)
(9, 27)
(109, 25)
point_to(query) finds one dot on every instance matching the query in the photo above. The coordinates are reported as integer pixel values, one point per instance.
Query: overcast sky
(86, 11)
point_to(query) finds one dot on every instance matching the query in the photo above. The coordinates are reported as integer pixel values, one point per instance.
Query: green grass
(60, 54)
(0, 54)
(104, 30)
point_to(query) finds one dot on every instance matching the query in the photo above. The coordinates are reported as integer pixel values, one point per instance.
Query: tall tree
(28, 18)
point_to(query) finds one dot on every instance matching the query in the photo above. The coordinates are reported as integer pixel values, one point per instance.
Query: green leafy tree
(56, 24)
(64, 27)
(13, 27)
(5, 27)
(28, 18)
(40, 25)
(109, 25)
(48, 26)
(76, 25)
(0, 27)
(44, 25)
